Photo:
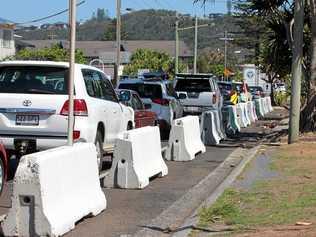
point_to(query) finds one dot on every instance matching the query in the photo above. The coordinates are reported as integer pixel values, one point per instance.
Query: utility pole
(296, 72)
(195, 45)
(225, 60)
(177, 45)
(226, 39)
(72, 35)
(118, 42)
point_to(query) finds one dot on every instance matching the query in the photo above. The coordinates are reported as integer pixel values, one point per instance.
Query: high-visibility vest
(234, 98)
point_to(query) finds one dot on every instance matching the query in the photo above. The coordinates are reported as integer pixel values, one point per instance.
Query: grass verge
(285, 200)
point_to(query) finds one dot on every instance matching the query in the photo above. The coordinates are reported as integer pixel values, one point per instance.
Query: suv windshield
(33, 80)
(193, 85)
(152, 91)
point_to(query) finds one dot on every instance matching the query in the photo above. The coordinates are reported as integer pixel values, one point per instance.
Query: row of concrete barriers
(234, 117)
(54, 189)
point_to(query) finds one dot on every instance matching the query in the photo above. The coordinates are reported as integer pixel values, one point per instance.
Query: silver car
(198, 92)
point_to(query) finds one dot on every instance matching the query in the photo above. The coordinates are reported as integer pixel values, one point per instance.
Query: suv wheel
(2, 175)
(99, 146)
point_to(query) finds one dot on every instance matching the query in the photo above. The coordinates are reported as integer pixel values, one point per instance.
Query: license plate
(192, 109)
(27, 120)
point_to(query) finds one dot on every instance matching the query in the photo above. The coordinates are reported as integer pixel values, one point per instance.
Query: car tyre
(2, 175)
(99, 146)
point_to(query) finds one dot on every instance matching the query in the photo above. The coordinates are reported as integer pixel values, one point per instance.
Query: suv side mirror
(182, 96)
(147, 106)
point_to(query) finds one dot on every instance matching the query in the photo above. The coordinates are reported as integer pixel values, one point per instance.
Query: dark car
(3, 166)
(143, 116)
(226, 89)
(256, 91)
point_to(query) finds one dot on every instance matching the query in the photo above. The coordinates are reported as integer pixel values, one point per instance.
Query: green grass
(283, 200)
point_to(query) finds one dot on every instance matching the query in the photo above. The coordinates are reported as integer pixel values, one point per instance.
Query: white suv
(34, 106)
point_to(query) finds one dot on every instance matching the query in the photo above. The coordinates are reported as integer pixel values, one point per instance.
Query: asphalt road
(129, 210)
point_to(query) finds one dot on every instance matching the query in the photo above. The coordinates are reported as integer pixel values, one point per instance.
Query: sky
(27, 10)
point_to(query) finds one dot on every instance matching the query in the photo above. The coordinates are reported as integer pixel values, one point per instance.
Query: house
(7, 46)
(105, 51)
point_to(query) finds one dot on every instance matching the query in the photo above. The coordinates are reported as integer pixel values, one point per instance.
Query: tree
(55, 53)
(152, 60)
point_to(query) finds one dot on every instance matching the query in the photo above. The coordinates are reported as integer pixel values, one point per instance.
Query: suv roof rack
(155, 76)
(199, 76)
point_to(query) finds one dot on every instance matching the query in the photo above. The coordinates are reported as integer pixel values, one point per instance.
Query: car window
(34, 80)
(194, 85)
(107, 89)
(137, 103)
(152, 91)
(98, 86)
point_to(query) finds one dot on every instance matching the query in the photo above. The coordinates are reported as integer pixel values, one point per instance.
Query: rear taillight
(80, 108)
(214, 99)
(76, 135)
(161, 101)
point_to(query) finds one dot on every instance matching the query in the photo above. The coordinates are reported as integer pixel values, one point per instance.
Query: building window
(7, 38)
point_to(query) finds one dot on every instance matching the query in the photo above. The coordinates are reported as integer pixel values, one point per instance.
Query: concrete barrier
(254, 110)
(185, 139)
(246, 113)
(54, 189)
(259, 108)
(242, 121)
(270, 108)
(250, 112)
(137, 158)
(264, 105)
(209, 133)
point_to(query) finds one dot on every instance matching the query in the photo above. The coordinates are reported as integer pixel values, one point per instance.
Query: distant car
(159, 93)
(3, 166)
(256, 91)
(226, 89)
(143, 117)
(34, 107)
(198, 92)
(279, 87)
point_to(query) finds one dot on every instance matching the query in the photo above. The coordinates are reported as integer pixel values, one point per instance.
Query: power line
(50, 16)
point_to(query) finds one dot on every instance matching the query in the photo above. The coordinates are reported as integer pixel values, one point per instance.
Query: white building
(254, 77)
(7, 46)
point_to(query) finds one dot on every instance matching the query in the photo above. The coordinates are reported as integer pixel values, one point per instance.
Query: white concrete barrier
(270, 108)
(259, 108)
(246, 113)
(219, 124)
(185, 139)
(242, 121)
(209, 133)
(254, 110)
(250, 112)
(137, 158)
(54, 189)
(264, 105)
(233, 122)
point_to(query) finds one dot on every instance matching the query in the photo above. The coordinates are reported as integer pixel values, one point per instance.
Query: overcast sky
(27, 10)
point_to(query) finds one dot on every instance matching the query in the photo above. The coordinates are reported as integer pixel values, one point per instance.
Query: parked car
(3, 166)
(34, 106)
(198, 92)
(143, 116)
(256, 91)
(160, 95)
(226, 89)
(280, 87)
